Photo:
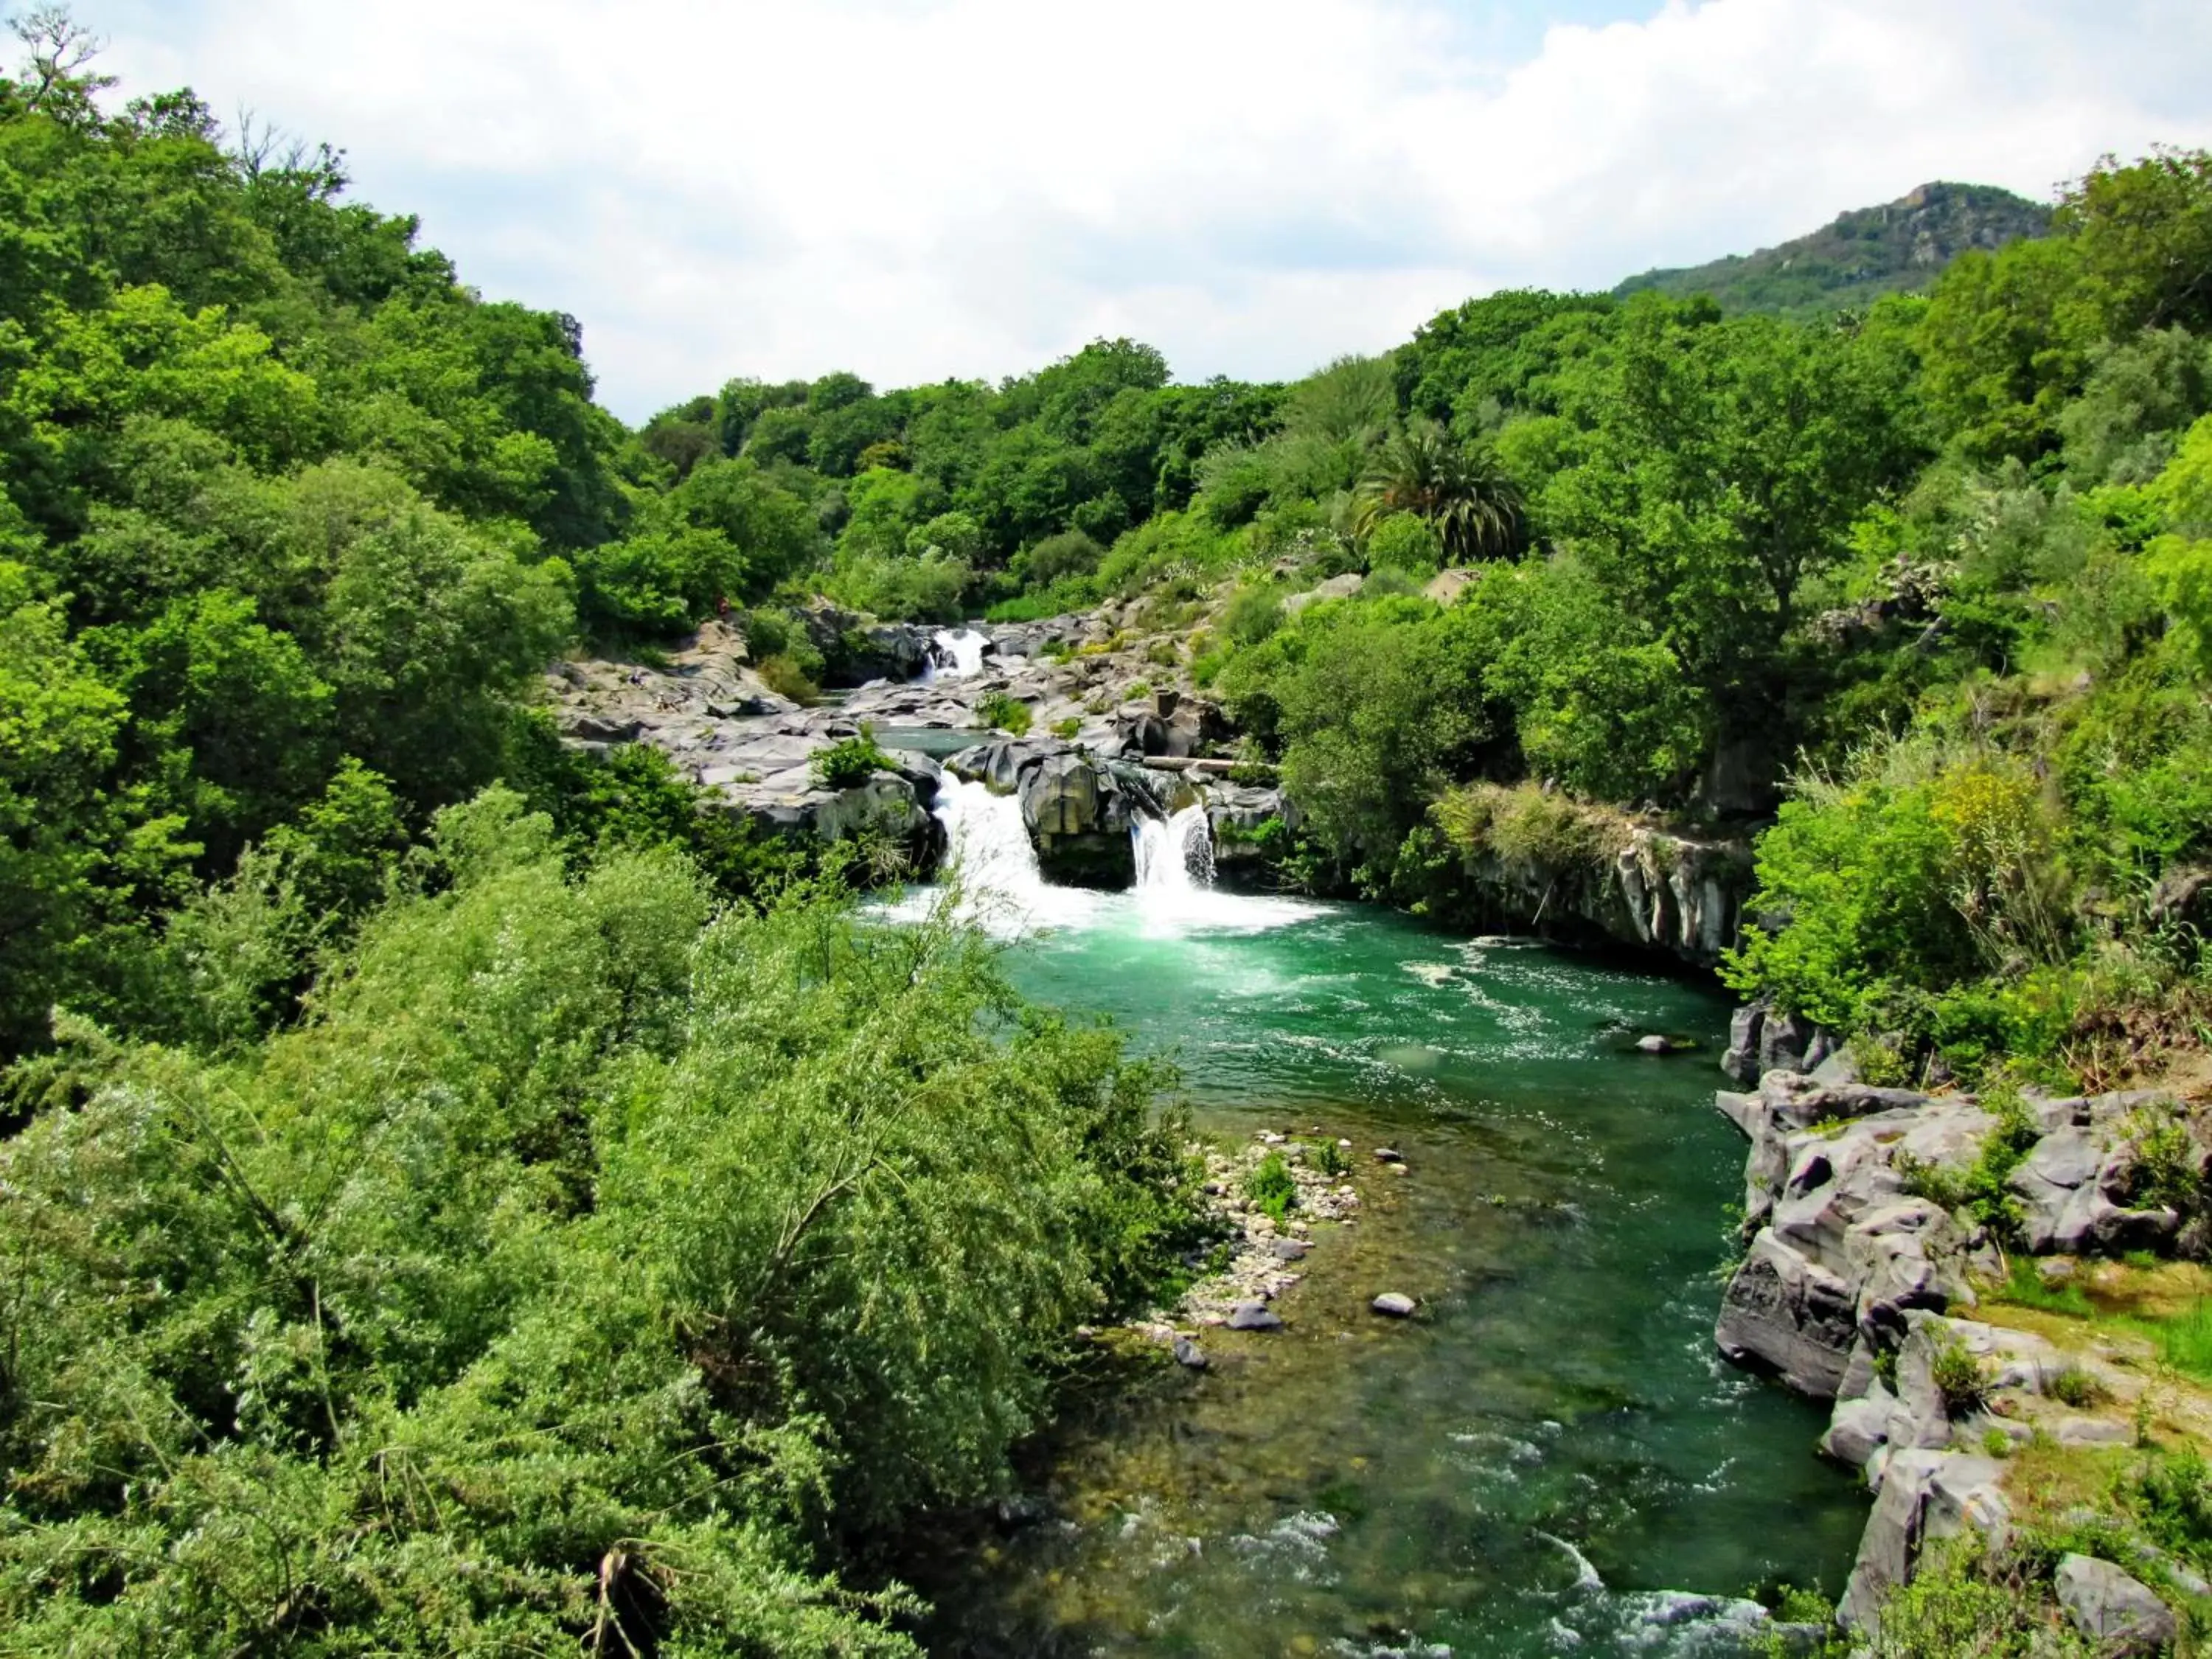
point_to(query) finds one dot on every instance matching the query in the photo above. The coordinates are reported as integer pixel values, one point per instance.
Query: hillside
(1894, 248)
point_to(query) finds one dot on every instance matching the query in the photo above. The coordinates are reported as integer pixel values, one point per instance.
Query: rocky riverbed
(1104, 745)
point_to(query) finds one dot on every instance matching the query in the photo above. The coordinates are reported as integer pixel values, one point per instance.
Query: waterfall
(959, 653)
(1175, 854)
(988, 852)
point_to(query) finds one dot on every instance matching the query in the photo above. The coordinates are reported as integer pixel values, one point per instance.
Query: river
(1551, 1458)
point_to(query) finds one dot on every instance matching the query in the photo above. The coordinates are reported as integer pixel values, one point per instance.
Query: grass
(2025, 1287)
(1068, 728)
(2184, 1342)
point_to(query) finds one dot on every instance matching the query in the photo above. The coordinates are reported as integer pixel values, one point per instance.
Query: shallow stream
(1534, 1464)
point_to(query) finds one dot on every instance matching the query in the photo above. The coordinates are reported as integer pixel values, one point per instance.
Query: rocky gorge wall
(1657, 892)
(1854, 1280)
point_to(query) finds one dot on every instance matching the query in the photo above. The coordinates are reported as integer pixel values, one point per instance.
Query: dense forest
(462, 1197)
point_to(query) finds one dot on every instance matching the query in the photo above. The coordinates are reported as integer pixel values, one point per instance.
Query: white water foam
(1174, 855)
(962, 649)
(990, 858)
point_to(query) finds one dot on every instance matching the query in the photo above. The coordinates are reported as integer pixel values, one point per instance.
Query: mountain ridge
(1859, 256)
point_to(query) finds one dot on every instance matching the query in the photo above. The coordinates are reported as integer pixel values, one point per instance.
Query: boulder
(1000, 764)
(888, 805)
(1188, 1354)
(1394, 1304)
(1925, 1496)
(1789, 1315)
(2074, 1185)
(1078, 815)
(2114, 1609)
(1336, 587)
(1254, 1316)
(1741, 1059)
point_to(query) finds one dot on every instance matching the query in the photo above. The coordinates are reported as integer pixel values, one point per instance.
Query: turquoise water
(1527, 1466)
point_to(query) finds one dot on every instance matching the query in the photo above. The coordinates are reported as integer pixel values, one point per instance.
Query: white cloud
(918, 188)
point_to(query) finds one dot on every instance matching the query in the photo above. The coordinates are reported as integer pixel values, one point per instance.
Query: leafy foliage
(849, 762)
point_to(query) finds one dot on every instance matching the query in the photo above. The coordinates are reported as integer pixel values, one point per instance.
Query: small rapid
(958, 655)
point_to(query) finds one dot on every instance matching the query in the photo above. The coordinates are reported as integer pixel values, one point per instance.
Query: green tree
(1459, 489)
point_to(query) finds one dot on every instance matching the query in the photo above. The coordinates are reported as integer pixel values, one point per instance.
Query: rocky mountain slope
(1862, 255)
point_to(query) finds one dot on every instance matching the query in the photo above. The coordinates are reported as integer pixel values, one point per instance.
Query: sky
(916, 189)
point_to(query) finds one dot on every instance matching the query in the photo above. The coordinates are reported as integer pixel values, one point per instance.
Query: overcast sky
(912, 189)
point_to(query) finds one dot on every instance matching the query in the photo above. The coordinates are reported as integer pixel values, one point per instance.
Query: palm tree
(1460, 488)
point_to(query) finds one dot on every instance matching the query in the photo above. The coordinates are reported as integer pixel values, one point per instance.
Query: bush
(1959, 1378)
(1252, 615)
(1004, 713)
(2070, 1385)
(1065, 730)
(851, 761)
(782, 675)
(1323, 1152)
(1071, 553)
(1982, 1189)
(1271, 1186)
(660, 1251)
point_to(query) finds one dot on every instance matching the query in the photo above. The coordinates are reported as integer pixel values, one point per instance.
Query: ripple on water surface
(1550, 1457)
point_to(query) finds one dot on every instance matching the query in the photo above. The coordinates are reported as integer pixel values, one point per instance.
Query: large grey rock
(1077, 812)
(1000, 764)
(1785, 1313)
(2112, 1608)
(1782, 1041)
(1925, 1496)
(1741, 1059)
(2074, 1186)
(1254, 1316)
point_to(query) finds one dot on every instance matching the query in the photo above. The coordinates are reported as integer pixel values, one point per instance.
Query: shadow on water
(1527, 1466)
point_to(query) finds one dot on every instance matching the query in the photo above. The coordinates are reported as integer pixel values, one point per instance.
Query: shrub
(2070, 1385)
(783, 675)
(1162, 652)
(1949, 1608)
(2162, 1171)
(1270, 1186)
(1958, 1377)
(2171, 1494)
(1324, 1154)
(1253, 615)
(1981, 1189)
(1004, 713)
(1065, 730)
(854, 761)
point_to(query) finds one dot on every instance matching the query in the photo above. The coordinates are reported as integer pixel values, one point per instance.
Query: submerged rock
(1395, 1304)
(1188, 1354)
(1254, 1316)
